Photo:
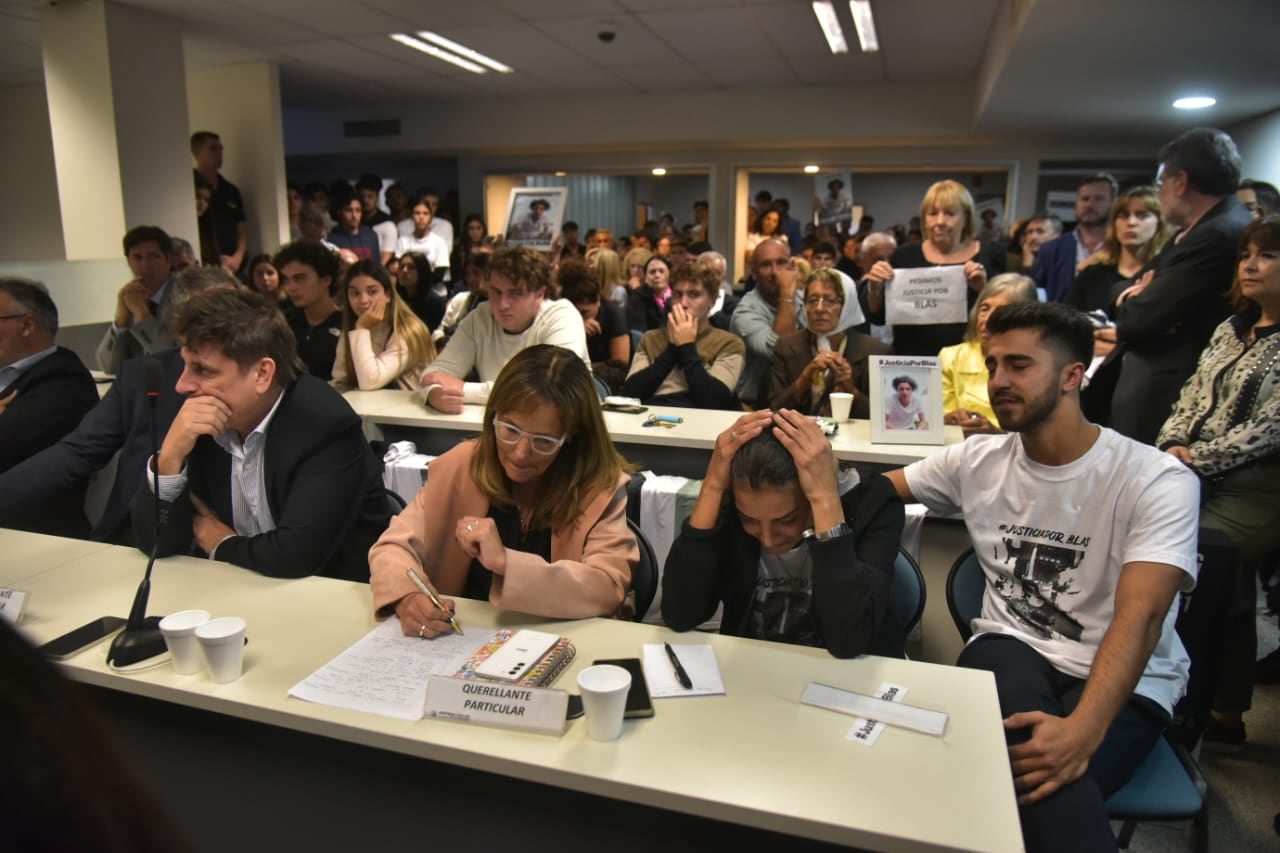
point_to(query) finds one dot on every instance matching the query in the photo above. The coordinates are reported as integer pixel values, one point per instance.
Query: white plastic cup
(179, 631)
(840, 405)
(604, 699)
(222, 641)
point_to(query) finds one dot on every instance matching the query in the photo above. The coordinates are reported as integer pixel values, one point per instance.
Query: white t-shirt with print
(1052, 541)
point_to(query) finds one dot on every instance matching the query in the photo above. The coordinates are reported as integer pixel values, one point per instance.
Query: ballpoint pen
(681, 675)
(426, 590)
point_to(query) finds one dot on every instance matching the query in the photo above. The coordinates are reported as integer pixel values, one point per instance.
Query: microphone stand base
(135, 645)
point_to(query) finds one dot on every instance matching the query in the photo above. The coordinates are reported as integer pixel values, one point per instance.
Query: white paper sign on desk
(869, 707)
(511, 706)
(699, 661)
(11, 602)
(386, 672)
(926, 295)
(867, 732)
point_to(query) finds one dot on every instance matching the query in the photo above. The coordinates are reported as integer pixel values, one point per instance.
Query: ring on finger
(422, 632)
(733, 436)
(470, 527)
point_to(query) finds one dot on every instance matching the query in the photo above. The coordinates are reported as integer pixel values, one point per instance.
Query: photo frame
(833, 200)
(534, 216)
(906, 399)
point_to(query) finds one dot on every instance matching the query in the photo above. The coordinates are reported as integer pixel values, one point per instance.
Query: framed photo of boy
(534, 215)
(906, 399)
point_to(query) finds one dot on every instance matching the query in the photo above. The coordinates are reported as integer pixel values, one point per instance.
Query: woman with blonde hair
(531, 516)
(964, 370)
(613, 278)
(382, 341)
(1136, 233)
(633, 264)
(949, 240)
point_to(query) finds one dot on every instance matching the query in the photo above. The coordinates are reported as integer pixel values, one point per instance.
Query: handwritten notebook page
(386, 672)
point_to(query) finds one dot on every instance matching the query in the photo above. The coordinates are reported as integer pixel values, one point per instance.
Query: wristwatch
(841, 529)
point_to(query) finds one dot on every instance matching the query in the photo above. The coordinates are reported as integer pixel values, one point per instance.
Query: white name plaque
(512, 706)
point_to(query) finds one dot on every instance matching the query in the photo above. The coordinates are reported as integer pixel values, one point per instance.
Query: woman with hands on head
(530, 516)
(948, 215)
(382, 341)
(827, 354)
(964, 370)
(795, 552)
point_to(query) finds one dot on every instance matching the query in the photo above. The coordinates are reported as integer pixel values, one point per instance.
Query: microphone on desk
(141, 638)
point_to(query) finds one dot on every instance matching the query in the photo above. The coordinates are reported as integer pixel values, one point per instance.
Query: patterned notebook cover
(541, 674)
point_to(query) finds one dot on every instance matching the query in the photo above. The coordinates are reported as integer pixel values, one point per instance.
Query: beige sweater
(589, 573)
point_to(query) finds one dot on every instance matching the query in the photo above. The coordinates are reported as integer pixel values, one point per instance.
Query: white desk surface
(755, 756)
(698, 432)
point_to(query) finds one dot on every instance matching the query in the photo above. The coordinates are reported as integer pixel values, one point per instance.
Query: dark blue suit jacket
(323, 488)
(1055, 267)
(52, 396)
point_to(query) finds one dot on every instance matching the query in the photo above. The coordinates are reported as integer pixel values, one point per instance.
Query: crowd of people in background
(1167, 316)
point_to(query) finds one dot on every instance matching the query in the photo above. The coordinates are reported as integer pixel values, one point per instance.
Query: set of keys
(666, 421)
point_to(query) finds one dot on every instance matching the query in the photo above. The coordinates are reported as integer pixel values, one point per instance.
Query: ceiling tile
(634, 44)
(537, 10)
(757, 72)
(710, 34)
(667, 75)
(416, 14)
(953, 46)
(331, 17)
(663, 5)
(594, 81)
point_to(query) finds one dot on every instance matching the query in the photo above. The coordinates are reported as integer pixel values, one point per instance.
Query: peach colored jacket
(589, 573)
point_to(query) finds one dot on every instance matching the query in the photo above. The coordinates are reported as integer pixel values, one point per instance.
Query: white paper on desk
(386, 672)
(926, 295)
(699, 662)
(867, 732)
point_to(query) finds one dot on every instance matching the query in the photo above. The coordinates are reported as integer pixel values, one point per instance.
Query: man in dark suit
(1164, 319)
(1056, 265)
(263, 466)
(44, 392)
(120, 423)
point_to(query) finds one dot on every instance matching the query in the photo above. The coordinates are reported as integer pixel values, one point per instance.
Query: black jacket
(323, 489)
(1163, 330)
(52, 396)
(852, 575)
(121, 422)
(643, 311)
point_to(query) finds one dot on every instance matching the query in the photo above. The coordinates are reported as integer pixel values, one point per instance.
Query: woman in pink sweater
(531, 515)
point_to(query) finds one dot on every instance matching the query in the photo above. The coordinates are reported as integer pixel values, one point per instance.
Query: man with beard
(766, 313)
(1085, 538)
(1056, 266)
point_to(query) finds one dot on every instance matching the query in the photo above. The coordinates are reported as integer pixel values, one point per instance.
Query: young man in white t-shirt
(1085, 538)
(518, 314)
(423, 239)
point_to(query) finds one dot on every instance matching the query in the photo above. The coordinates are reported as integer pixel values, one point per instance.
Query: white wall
(30, 219)
(241, 103)
(1259, 143)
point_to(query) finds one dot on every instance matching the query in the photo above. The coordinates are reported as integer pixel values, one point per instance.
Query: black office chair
(1168, 785)
(644, 575)
(908, 594)
(395, 503)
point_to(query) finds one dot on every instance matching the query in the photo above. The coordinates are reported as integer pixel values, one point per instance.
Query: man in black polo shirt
(225, 205)
(307, 274)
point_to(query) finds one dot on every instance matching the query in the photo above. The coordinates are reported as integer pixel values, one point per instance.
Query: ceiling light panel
(464, 51)
(865, 24)
(825, 12)
(432, 50)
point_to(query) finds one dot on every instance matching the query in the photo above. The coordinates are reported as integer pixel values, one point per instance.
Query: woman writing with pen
(530, 516)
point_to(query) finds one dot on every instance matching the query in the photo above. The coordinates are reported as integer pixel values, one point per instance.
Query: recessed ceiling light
(561, 174)
(659, 171)
(865, 25)
(465, 52)
(419, 44)
(1195, 102)
(825, 11)
(811, 170)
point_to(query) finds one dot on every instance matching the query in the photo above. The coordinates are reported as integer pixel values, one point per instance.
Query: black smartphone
(83, 637)
(638, 702)
(624, 408)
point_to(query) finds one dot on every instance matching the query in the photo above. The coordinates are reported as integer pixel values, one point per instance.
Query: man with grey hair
(121, 422)
(766, 313)
(722, 310)
(44, 392)
(876, 246)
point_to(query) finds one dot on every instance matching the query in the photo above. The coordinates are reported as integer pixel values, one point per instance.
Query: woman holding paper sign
(531, 516)
(948, 215)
